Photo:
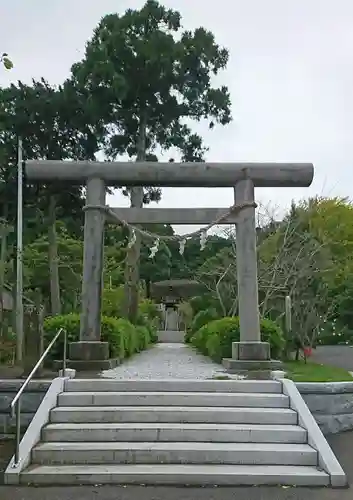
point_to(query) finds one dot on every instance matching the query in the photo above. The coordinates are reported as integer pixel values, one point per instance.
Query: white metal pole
(19, 267)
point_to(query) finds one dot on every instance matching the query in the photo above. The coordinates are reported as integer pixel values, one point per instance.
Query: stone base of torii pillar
(92, 356)
(252, 360)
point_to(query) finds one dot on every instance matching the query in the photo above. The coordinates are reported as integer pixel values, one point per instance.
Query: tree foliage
(142, 78)
(136, 71)
(308, 256)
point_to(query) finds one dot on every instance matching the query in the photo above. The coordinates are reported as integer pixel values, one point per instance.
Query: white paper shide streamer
(132, 239)
(154, 249)
(203, 240)
(182, 244)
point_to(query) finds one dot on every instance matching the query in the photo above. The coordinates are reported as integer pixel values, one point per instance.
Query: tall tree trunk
(55, 301)
(132, 265)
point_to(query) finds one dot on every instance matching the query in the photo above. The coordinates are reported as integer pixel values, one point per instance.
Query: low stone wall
(30, 401)
(331, 403)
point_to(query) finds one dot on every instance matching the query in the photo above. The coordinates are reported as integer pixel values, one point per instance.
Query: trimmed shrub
(52, 324)
(272, 333)
(200, 338)
(215, 339)
(144, 337)
(203, 302)
(148, 312)
(124, 338)
(113, 302)
(200, 319)
(188, 336)
(149, 317)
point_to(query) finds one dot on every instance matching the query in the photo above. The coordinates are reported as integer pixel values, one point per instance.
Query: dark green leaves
(140, 65)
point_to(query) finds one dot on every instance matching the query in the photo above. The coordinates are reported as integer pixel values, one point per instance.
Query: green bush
(149, 317)
(113, 302)
(148, 312)
(200, 338)
(215, 338)
(145, 337)
(272, 333)
(124, 338)
(200, 319)
(188, 336)
(203, 302)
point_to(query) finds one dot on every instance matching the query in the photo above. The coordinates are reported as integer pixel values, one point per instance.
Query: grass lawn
(315, 372)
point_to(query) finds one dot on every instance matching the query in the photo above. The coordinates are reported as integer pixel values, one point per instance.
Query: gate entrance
(243, 177)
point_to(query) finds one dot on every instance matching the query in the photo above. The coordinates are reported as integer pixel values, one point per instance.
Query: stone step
(247, 386)
(205, 399)
(171, 336)
(165, 414)
(174, 453)
(174, 432)
(193, 475)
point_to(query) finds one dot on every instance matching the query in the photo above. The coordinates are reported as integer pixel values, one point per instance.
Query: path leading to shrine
(166, 361)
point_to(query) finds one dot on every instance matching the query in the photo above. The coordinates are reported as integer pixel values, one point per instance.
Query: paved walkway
(340, 356)
(173, 361)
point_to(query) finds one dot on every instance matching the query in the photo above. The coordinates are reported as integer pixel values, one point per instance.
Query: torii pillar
(250, 353)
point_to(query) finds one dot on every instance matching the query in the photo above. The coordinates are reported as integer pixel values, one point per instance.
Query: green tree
(146, 80)
(45, 118)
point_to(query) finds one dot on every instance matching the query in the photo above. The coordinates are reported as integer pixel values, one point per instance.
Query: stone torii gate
(250, 353)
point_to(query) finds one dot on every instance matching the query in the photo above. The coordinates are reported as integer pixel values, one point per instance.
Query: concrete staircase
(183, 432)
(171, 337)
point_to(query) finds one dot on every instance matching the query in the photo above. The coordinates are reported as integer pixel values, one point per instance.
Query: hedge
(215, 338)
(200, 319)
(113, 307)
(123, 337)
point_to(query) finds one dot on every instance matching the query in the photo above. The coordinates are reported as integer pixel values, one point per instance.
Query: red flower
(307, 352)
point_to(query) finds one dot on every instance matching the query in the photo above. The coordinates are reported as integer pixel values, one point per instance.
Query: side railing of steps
(327, 460)
(16, 402)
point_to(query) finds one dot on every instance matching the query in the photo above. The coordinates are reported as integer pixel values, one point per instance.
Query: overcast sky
(290, 76)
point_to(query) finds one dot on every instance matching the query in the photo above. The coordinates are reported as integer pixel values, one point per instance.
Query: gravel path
(173, 361)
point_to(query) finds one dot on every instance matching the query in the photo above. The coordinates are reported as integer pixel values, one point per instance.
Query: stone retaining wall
(29, 403)
(331, 404)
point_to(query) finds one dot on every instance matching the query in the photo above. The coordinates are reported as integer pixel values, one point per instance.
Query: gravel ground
(173, 361)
